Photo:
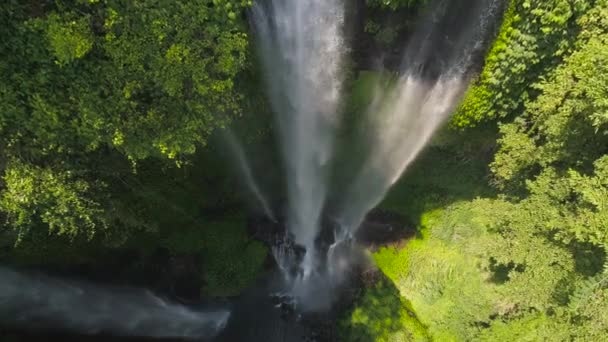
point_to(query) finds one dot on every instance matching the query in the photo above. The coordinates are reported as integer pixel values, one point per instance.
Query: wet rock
(382, 228)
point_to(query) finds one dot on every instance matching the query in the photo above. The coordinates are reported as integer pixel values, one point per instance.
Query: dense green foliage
(53, 196)
(106, 105)
(534, 37)
(526, 259)
(87, 85)
(231, 259)
(104, 109)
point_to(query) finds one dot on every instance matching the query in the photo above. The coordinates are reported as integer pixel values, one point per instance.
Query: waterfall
(301, 44)
(30, 299)
(404, 114)
(247, 174)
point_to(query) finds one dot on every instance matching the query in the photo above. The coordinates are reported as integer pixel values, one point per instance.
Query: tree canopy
(108, 111)
(85, 82)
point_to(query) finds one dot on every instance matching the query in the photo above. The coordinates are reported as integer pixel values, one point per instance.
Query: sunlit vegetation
(524, 258)
(107, 112)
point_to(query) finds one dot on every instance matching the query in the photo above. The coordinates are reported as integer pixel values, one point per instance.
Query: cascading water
(405, 114)
(83, 308)
(247, 174)
(301, 44)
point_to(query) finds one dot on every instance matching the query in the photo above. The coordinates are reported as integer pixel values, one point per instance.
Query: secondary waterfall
(247, 174)
(405, 113)
(28, 299)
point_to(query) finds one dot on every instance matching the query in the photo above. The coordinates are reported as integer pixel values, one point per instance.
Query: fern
(588, 288)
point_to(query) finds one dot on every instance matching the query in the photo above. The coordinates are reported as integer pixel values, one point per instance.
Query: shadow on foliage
(453, 168)
(381, 314)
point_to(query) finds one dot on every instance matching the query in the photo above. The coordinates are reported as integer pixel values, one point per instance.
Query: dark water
(263, 315)
(259, 314)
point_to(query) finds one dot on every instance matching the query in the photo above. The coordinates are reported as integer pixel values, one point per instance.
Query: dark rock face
(185, 279)
(283, 321)
(382, 228)
(264, 229)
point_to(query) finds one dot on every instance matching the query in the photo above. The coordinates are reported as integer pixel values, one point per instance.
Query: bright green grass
(439, 276)
(442, 282)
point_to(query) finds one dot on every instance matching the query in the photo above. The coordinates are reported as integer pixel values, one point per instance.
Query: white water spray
(26, 299)
(250, 182)
(404, 115)
(301, 45)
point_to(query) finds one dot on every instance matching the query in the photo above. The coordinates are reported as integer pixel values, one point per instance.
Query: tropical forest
(303, 170)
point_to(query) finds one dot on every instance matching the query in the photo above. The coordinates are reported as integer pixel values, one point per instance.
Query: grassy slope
(436, 276)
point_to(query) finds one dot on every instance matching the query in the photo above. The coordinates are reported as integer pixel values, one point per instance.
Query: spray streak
(301, 45)
(243, 165)
(89, 309)
(405, 115)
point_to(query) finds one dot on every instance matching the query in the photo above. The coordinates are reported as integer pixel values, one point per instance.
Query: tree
(86, 83)
(58, 199)
(530, 262)
(534, 37)
(552, 165)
